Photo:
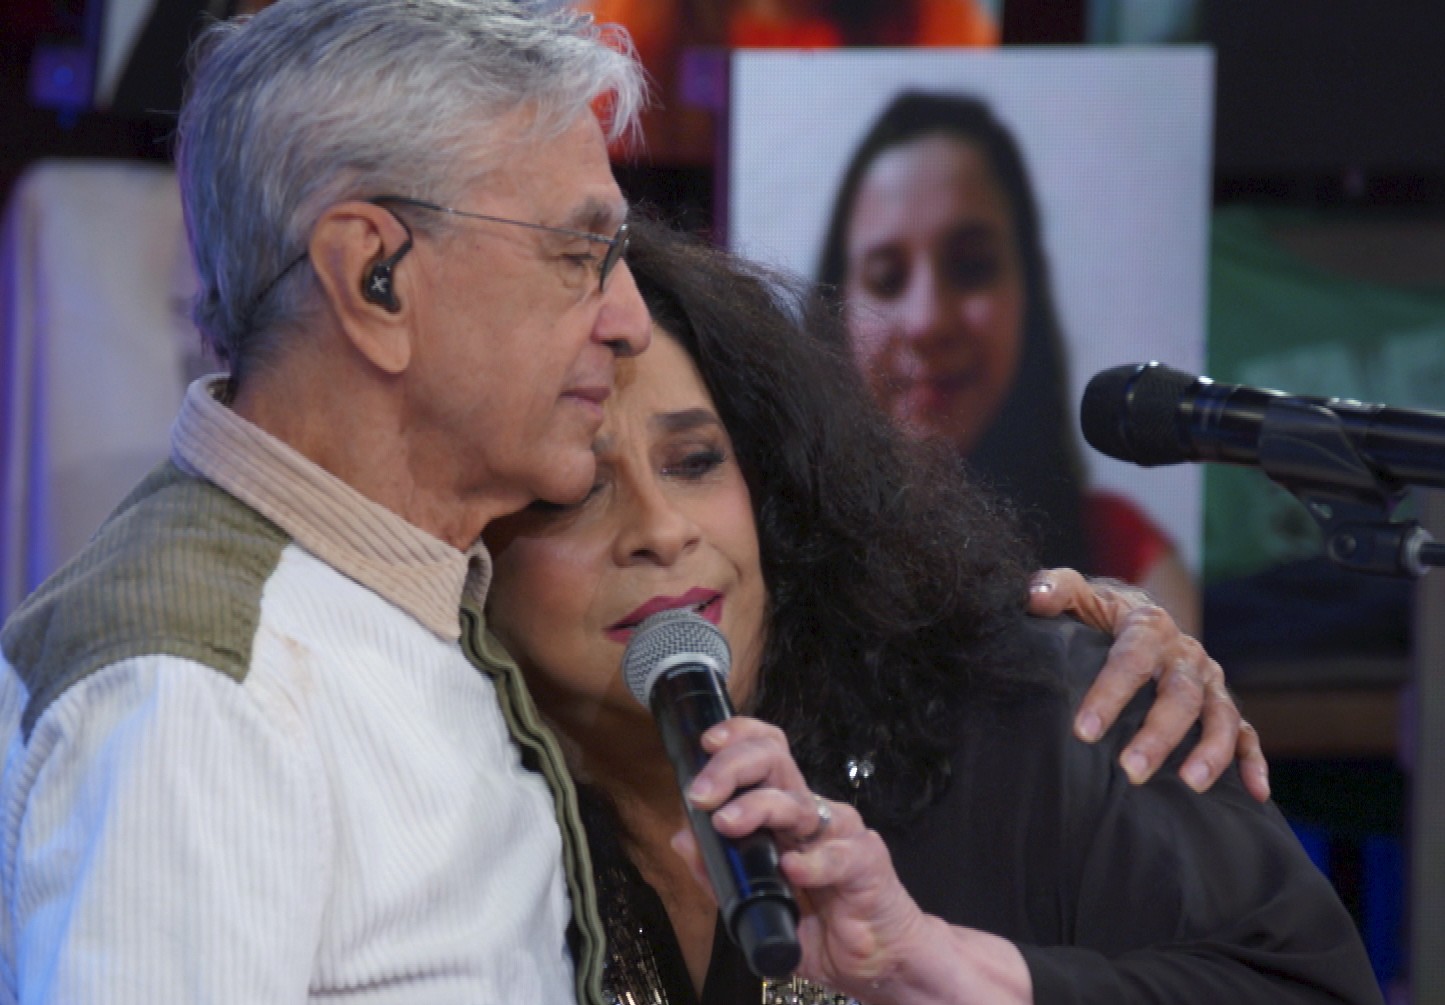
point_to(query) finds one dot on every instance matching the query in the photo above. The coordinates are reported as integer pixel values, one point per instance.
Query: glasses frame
(616, 244)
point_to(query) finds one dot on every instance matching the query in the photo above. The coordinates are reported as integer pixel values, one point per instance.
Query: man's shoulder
(178, 569)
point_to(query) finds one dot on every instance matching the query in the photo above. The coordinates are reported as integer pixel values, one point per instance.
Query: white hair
(312, 102)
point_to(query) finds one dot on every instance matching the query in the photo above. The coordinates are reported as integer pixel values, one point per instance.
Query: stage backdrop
(1117, 145)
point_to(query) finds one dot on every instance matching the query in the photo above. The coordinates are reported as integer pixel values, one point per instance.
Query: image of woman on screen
(934, 244)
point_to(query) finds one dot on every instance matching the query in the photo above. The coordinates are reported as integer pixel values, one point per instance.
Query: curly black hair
(895, 585)
(1029, 451)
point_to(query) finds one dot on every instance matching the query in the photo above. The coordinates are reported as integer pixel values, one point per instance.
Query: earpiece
(377, 286)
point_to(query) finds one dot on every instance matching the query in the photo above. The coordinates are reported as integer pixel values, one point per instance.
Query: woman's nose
(654, 529)
(923, 312)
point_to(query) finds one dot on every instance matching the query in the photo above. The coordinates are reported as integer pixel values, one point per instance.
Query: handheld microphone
(1150, 414)
(676, 664)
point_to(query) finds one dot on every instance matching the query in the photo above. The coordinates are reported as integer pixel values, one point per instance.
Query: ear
(356, 248)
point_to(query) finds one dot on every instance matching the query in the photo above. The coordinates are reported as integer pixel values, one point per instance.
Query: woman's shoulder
(1054, 660)
(1031, 715)
(1066, 648)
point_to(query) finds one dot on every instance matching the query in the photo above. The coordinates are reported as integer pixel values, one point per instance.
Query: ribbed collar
(419, 573)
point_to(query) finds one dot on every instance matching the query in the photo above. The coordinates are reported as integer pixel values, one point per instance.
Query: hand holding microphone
(677, 664)
(858, 932)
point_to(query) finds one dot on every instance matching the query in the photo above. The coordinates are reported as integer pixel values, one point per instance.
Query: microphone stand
(1305, 450)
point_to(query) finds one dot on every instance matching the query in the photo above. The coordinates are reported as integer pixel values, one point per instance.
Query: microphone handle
(757, 906)
(1224, 422)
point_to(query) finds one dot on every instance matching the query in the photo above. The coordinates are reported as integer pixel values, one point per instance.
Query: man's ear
(355, 250)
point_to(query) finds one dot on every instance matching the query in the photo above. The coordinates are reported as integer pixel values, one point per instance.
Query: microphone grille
(1131, 413)
(665, 636)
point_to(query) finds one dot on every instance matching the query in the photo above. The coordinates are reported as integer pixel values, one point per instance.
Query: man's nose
(623, 324)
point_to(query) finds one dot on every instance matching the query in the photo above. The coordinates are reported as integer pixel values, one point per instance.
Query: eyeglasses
(616, 244)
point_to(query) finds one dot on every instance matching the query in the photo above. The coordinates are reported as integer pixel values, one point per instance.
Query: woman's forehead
(661, 381)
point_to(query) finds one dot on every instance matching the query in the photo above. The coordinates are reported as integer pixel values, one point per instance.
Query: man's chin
(566, 488)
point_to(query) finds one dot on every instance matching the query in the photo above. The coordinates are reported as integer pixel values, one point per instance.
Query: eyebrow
(596, 216)
(666, 422)
(684, 420)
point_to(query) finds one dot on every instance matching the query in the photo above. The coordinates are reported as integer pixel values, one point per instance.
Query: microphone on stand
(676, 664)
(1150, 414)
(1347, 461)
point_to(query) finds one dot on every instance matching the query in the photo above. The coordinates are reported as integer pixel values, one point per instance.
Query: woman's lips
(707, 603)
(929, 394)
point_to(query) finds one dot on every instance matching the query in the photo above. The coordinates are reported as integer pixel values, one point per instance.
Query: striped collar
(419, 573)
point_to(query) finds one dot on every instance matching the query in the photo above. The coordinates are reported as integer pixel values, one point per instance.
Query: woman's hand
(860, 931)
(1149, 646)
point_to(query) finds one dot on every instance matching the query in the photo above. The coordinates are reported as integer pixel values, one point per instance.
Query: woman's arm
(1108, 892)
(861, 932)
(1148, 646)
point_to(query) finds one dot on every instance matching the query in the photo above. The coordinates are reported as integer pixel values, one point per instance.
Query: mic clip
(1305, 450)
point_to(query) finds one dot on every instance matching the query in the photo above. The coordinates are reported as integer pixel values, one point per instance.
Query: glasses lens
(615, 251)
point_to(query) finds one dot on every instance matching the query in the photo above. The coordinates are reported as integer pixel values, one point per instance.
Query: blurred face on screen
(934, 287)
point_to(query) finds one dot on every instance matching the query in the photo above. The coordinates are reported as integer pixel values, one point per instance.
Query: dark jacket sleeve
(1171, 896)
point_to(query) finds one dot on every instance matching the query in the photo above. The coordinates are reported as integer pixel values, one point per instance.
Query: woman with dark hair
(873, 600)
(934, 243)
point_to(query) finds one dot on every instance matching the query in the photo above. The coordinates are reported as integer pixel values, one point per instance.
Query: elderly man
(257, 743)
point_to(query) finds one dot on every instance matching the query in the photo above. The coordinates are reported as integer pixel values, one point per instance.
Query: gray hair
(312, 102)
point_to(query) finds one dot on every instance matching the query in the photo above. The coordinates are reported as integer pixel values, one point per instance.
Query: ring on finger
(825, 819)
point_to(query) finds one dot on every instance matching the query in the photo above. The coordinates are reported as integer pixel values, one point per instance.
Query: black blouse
(1114, 893)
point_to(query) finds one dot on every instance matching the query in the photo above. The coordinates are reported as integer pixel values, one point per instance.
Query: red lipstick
(707, 603)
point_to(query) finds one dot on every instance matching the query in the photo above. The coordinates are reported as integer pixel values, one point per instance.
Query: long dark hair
(895, 586)
(1029, 452)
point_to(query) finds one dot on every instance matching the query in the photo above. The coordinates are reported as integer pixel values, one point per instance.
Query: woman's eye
(970, 271)
(696, 463)
(971, 259)
(884, 276)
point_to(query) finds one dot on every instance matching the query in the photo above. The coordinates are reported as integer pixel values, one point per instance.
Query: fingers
(1253, 768)
(1221, 721)
(796, 821)
(751, 782)
(1099, 603)
(1143, 633)
(848, 865)
(744, 753)
(1226, 736)
(1054, 591)
(1178, 701)
(1142, 636)
(825, 821)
